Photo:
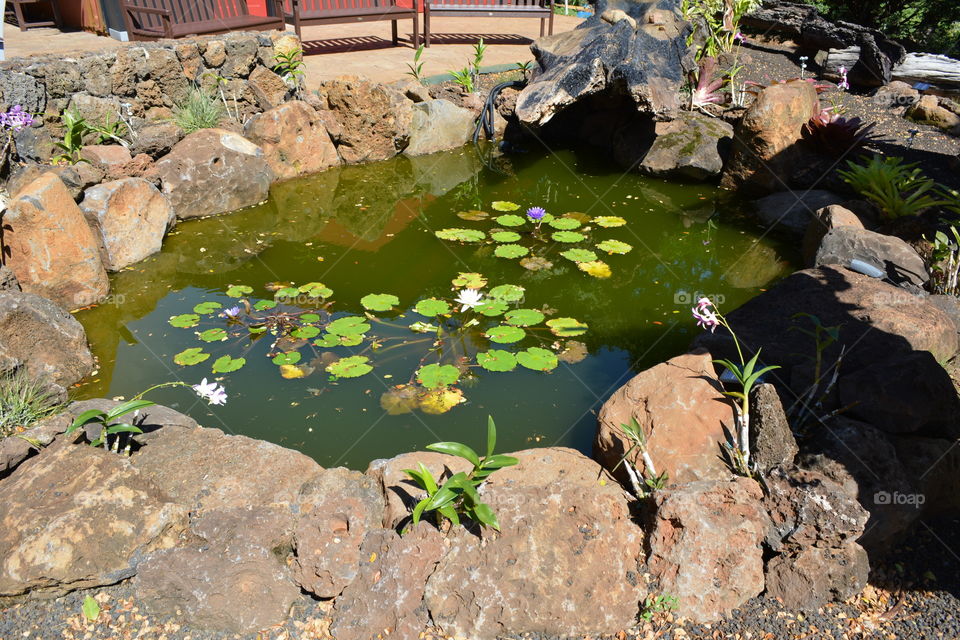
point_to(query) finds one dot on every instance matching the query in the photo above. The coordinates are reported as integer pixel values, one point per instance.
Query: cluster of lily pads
(476, 327)
(534, 238)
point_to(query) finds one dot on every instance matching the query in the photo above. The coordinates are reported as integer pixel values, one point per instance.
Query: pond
(372, 229)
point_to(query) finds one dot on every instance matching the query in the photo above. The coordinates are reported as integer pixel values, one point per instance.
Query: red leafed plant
(705, 87)
(834, 135)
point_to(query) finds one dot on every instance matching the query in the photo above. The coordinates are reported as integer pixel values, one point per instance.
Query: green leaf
(499, 461)
(567, 236)
(287, 292)
(418, 510)
(309, 317)
(579, 255)
(85, 417)
(538, 359)
(189, 357)
(497, 360)
(207, 307)
(432, 307)
(291, 357)
(121, 428)
(456, 449)
(473, 215)
(491, 308)
(510, 251)
(505, 334)
(470, 280)
(505, 236)
(328, 340)
(226, 364)
(609, 221)
(564, 224)
(510, 220)
(566, 327)
(486, 516)
(213, 335)
(263, 305)
(502, 205)
(423, 327)
(615, 246)
(507, 292)
(91, 609)
(316, 290)
(348, 326)
(184, 321)
(379, 301)
(239, 290)
(434, 376)
(491, 436)
(524, 317)
(127, 407)
(461, 235)
(350, 341)
(306, 332)
(350, 367)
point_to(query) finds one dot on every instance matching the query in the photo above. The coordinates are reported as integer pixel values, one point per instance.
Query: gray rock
(21, 89)
(810, 577)
(61, 78)
(887, 253)
(8, 279)
(413, 90)
(772, 440)
(94, 109)
(693, 147)
(156, 139)
(438, 125)
(240, 56)
(35, 144)
(826, 220)
(794, 210)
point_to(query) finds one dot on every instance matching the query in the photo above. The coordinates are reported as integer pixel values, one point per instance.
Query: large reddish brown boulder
(400, 492)
(214, 171)
(293, 139)
(376, 118)
(559, 514)
(705, 545)
(131, 217)
(765, 150)
(683, 413)
(53, 251)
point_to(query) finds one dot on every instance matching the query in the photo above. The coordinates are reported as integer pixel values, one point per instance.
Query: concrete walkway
(360, 49)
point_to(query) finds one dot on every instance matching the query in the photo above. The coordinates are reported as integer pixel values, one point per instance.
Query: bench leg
(393, 28)
(56, 14)
(550, 31)
(426, 26)
(19, 13)
(416, 30)
(543, 26)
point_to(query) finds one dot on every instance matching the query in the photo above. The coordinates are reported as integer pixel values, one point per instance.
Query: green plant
(946, 259)
(830, 133)
(458, 497)
(651, 479)
(111, 130)
(716, 22)
(898, 189)
(75, 127)
(806, 407)
(199, 111)
(416, 67)
(289, 66)
(654, 606)
(464, 78)
(479, 50)
(525, 68)
(24, 401)
(90, 609)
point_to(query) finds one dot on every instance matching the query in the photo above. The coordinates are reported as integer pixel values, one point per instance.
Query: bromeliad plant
(458, 497)
(898, 189)
(110, 424)
(746, 373)
(832, 134)
(476, 327)
(533, 238)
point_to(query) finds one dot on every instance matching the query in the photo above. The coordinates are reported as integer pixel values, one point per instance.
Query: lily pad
(491, 308)
(615, 246)
(609, 221)
(470, 280)
(596, 268)
(432, 307)
(524, 317)
(306, 332)
(226, 364)
(511, 251)
(239, 290)
(184, 321)
(565, 224)
(566, 327)
(567, 236)
(287, 292)
(506, 334)
(400, 400)
(461, 235)
(350, 341)
(440, 401)
(504, 236)
(497, 360)
(573, 352)
(508, 292)
(510, 220)
(190, 357)
(316, 290)
(538, 359)
(292, 371)
(348, 326)
(309, 317)
(264, 305)
(213, 335)
(474, 215)
(535, 263)
(207, 307)
(379, 301)
(350, 367)
(579, 255)
(503, 205)
(291, 357)
(327, 340)
(434, 376)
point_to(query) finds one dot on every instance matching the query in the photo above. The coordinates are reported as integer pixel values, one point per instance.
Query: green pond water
(370, 229)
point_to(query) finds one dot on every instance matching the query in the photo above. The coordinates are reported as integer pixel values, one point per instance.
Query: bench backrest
(187, 11)
(493, 3)
(319, 6)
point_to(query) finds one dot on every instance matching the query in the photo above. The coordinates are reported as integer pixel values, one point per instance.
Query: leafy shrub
(717, 22)
(896, 188)
(24, 401)
(199, 111)
(929, 25)
(75, 127)
(832, 134)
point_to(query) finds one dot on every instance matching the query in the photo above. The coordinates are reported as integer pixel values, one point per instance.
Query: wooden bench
(25, 24)
(542, 9)
(303, 13)
(155, 19)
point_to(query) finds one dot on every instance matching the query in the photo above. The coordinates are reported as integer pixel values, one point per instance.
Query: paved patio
(361, 48)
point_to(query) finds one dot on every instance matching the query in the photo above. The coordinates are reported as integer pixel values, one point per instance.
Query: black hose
(487, 114)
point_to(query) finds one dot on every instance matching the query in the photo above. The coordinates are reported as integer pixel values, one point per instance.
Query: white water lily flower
(468, 299)
(211, 392)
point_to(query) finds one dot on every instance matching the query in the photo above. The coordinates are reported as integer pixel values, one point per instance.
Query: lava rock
(810, 577)
(772, 440)
(375, 118)
(693, 147)
(439, 125)
(887, 253)
(294, 140)
(794, 211)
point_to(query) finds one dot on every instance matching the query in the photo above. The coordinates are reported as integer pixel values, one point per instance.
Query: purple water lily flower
(536, 213)
(232, 313)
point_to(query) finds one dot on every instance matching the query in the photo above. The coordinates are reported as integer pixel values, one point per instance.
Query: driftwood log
(939, 72)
